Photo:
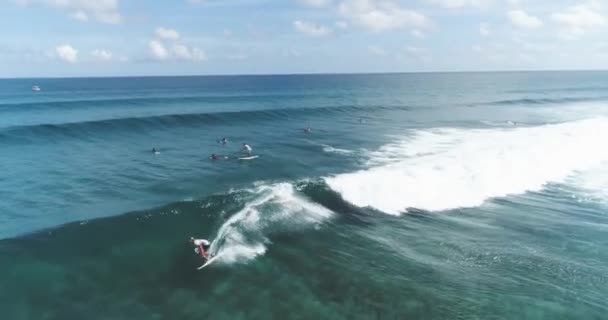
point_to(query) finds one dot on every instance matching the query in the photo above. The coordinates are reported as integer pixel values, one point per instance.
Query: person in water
(201, 247)
(247, 149)
(215, 157)
(224, 140)
(155, 151)
(308, 129)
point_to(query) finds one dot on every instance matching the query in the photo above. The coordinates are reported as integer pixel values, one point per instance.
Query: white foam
(591, 185)
(449, 168)
(275, 207)
(330, 149)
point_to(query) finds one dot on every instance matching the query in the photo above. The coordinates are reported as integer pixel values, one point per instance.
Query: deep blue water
(435, 196)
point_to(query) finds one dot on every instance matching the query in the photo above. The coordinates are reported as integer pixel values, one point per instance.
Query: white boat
(35, 88)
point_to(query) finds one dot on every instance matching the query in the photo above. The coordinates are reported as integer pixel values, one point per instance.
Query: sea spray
(277, 207)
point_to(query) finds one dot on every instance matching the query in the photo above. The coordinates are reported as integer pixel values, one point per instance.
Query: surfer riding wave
(201, 247)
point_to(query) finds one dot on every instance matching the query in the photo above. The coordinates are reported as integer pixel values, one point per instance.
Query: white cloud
(315, 3)
(578, 19)
(167, 34)
(101, 55)
(453, 4)
(418, 34)
(105, 11)
(311, 29)
(484, 29)
(381, 15)
(341, 24)
(514, 3)
(67, 53)
(80, 16)
(521, 19)
(158, 50)
(183, 52)
(167, 46)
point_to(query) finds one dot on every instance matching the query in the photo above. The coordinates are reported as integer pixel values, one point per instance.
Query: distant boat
(35, 88)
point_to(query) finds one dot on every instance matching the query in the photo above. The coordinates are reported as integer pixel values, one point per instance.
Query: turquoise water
(415, 196)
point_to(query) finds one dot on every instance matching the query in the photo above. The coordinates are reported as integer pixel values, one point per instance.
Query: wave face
(449, 168)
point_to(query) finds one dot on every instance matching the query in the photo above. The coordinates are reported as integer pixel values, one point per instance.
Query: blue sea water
(430, 196)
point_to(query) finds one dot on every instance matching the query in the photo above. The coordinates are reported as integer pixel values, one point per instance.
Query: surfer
(155, 151)
(247, 149)
(201, 247)
(217, 157)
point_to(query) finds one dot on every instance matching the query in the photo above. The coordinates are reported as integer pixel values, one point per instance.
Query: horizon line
(303, 74)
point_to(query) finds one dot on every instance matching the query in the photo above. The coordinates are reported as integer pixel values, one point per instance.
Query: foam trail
(330, 149)
(450, 168)
(274, 208)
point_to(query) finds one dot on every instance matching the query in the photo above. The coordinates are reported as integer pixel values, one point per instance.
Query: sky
(58, 38)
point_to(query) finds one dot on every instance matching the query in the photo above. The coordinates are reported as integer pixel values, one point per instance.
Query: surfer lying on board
(247, 149)
(201, 247)
(216, 157)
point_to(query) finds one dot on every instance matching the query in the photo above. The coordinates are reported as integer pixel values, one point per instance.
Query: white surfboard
(208, 262)
(248, 158)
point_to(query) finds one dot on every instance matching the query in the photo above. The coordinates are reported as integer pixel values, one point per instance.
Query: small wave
(448, 168)
(78, 129)
(147, 101)
(274, 208)
(540, 101)
(562, 89)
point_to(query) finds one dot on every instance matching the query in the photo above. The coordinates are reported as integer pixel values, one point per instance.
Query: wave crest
(449, 168)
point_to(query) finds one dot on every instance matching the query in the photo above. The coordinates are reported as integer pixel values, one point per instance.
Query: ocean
(414, 196)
